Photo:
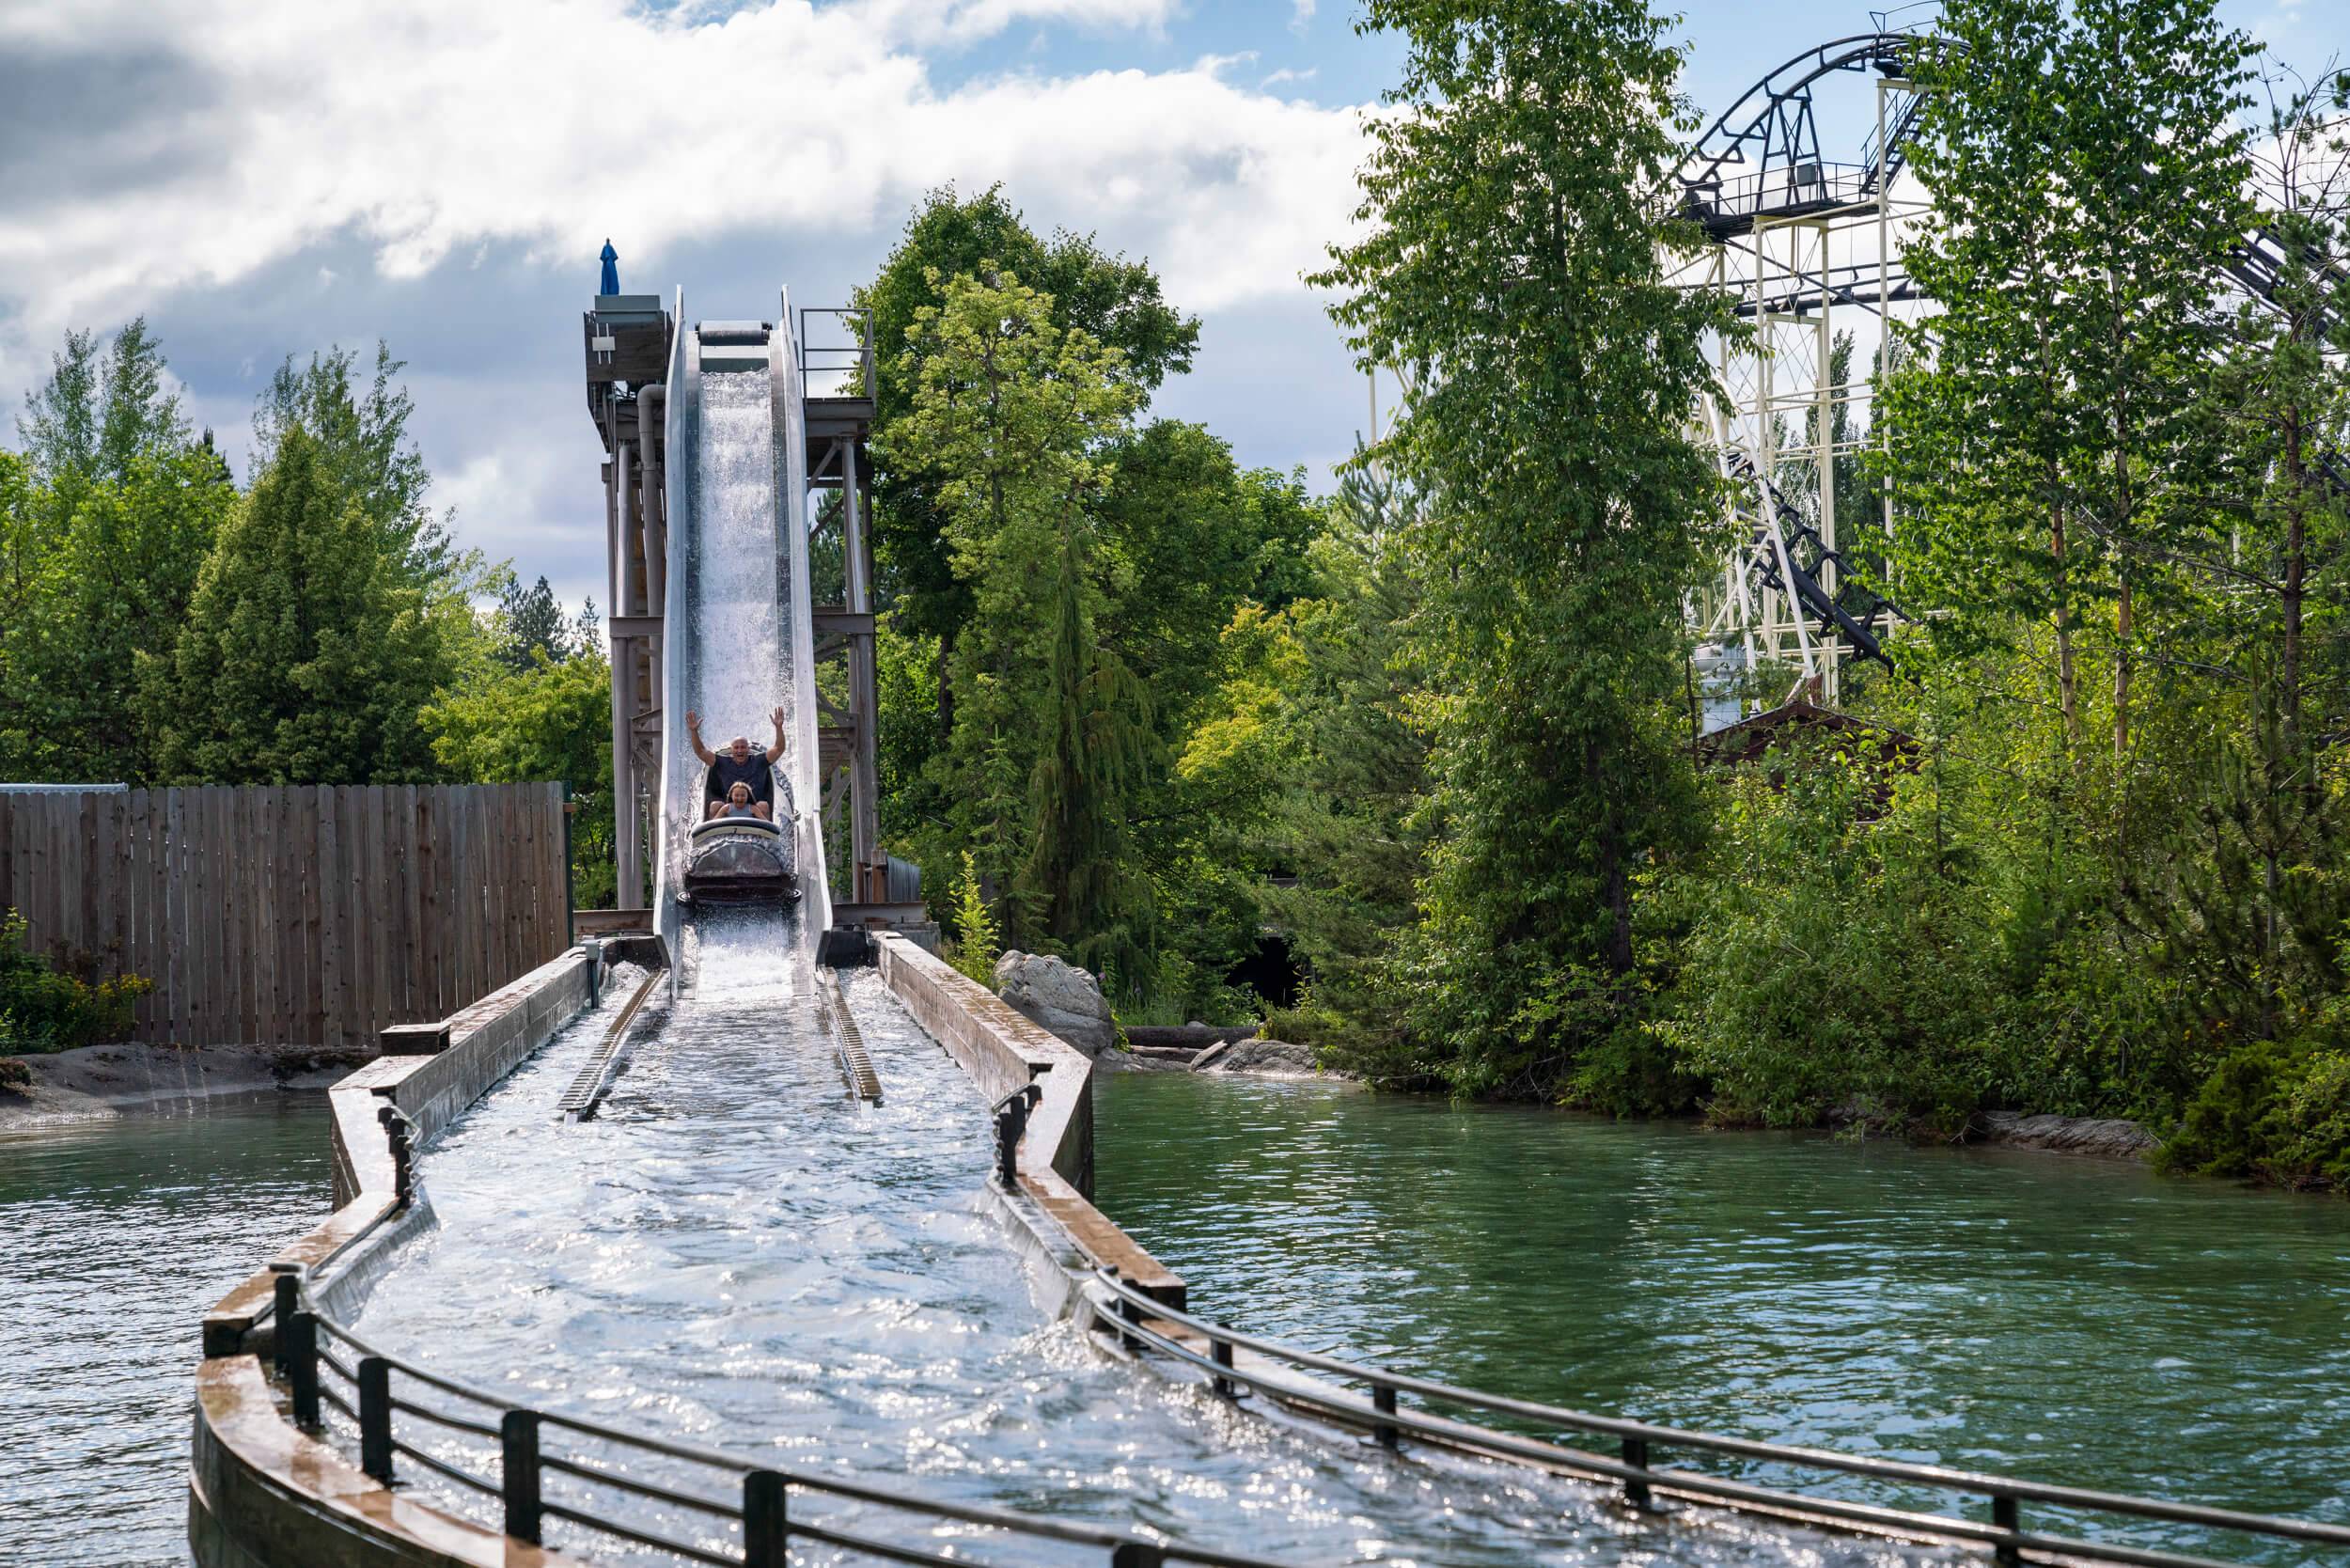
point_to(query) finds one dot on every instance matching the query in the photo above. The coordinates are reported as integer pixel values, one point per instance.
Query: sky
(267, 178)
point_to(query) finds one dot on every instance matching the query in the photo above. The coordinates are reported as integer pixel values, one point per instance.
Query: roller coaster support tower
(1809, 249)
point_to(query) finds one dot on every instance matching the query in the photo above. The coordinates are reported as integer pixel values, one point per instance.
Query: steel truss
(1809, 249)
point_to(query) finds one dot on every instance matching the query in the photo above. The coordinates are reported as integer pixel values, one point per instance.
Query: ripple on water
(115, 1236)
(2065, 1319)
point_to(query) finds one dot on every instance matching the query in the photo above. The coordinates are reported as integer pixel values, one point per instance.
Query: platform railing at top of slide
(377, 1392)
(1387, 1421)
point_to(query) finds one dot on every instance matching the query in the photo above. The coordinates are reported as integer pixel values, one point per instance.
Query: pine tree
(308, 648)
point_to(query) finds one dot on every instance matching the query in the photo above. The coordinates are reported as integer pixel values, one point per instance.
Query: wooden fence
(308, 916)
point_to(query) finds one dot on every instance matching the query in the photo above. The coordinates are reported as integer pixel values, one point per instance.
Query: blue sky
(258, 187)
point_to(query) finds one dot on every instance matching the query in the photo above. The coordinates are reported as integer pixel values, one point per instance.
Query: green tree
(533, 629)
(107, 520)
(2051, 443)
(362, 444)
(1113, 301)
(1012, 410)
(550, 722)
(1351, 830)
(100, 412)
(309, 646)
(1511, 268)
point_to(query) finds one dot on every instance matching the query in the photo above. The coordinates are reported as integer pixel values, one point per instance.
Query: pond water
(2057, 1318)
(115, 1236)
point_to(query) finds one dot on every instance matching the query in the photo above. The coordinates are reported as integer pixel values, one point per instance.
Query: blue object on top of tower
(611, 270)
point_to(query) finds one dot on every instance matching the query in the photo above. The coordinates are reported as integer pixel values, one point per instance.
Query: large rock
(1271, 1059)
(1060, 997)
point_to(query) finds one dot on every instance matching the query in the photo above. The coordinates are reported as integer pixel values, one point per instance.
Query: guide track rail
(588, 1089)
(848, 1042)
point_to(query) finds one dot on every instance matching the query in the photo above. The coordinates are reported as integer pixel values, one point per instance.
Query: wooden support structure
(628, 339)
(839, 426)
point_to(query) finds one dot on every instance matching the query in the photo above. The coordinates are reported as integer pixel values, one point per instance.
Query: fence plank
(311, 835)
(268, 953)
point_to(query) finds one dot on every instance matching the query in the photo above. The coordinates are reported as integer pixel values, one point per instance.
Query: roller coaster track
(1759, 161)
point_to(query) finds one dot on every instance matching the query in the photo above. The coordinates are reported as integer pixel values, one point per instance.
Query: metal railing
(362, 1388)
(841, 365)
(1387, 1421)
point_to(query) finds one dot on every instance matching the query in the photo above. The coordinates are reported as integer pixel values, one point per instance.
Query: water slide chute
(739, 642)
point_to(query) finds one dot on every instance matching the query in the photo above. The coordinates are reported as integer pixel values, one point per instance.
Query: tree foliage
(1511, 269)
(308, 649)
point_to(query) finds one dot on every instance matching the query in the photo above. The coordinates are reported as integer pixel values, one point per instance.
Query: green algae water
(2056, 1317)
(115, 1236)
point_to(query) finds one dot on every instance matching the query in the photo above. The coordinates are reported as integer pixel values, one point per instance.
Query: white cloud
(936, 22)
(1301, 12)
(431, 128)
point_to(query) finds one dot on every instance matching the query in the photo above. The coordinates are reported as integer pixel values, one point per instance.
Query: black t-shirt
(726, 773)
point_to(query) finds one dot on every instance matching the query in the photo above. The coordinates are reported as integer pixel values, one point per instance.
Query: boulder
(1058, 995)
(1272, 1057)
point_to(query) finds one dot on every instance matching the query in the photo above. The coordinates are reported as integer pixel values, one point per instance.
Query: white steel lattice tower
(1809, 249)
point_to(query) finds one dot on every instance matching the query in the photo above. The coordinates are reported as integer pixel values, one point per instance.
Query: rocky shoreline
(2098, 1136)
(96, 1082)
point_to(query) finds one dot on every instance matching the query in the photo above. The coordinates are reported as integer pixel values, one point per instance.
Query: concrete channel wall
(263, 1494)
(1002, 1050)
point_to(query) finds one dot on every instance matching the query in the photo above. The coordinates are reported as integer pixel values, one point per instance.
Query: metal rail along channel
(364, 1390)
(1143, 1320)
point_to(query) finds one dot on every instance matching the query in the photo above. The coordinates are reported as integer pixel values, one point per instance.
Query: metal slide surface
(737, 629)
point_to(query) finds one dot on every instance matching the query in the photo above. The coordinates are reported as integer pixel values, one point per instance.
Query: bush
(42, 1009)
(2276, 1110)
(1837, 967)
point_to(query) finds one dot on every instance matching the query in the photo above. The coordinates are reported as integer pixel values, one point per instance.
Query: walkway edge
(1001, 1050)
(263, 1494)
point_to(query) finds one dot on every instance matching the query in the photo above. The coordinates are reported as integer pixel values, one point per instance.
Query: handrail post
(1635, 1490)
(518, 1478)
(1383, 1400)
(375, 1417)
(1137, 1554)
(766, 1528)
(300, 1334)
(285, 1301)
(1012, 1122)
(1221, 1351)
(2005, 1515)
(403, 1154)
(1128, 1312)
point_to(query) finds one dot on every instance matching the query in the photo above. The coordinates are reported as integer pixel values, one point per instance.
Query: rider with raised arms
(737, 764)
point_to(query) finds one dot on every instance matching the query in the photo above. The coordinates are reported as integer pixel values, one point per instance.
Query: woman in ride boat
(738, 803)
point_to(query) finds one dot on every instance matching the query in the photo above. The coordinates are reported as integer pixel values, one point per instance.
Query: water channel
(735, 1251)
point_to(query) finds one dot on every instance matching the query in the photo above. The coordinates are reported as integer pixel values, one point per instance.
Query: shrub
(977, 941)
(2276, 1110)
(42, 1009)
